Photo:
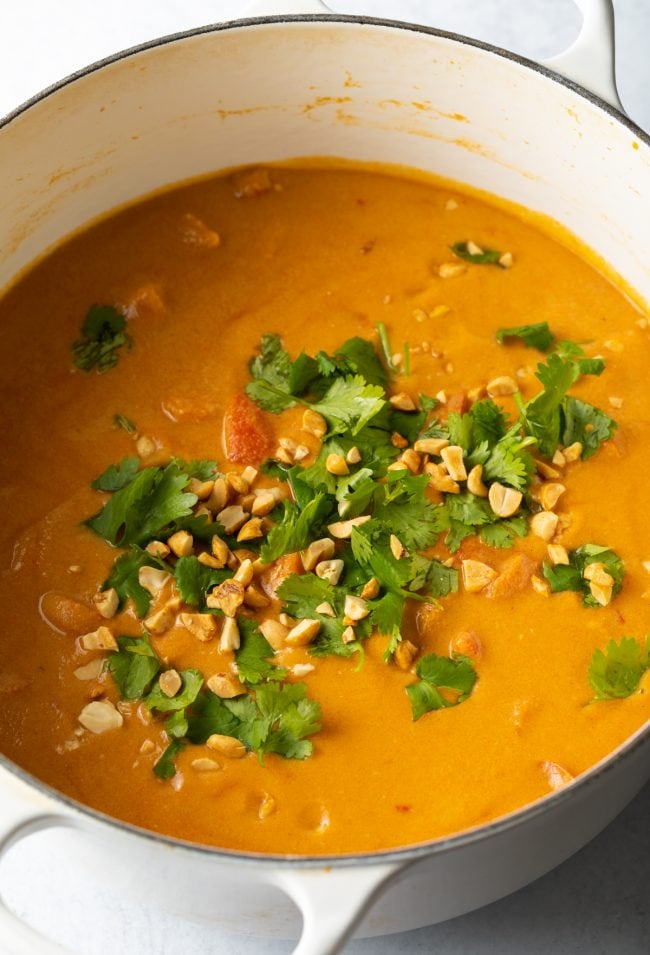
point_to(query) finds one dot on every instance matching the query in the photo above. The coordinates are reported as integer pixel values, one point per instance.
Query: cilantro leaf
(121, 421)
(509, 462)
(165, 768)
(616, 673)
(124, 578)
(117, 476)
(271, 370)
(202, 470)
(192, 683)
(194, 579)
(503, 532)
(134, 666)
(301, 594)
(541, 416)
(433, 576)
(254, 654)
(350, 404)
(537, 335)
(102, 334)
(573, 352)
(586, 424)
(296, 528)
(362, 359)
(440, 673)
(143, 509)
(485, 257)
(571, 576)
(489, 422)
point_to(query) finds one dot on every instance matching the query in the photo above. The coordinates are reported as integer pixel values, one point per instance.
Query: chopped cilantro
(165, 767)
(134, 666)
(384, 341)
(194, 580)
(301, 595)
(537, 335)
(440, 673)
(270, 371)
(616, 672)
(192, 683)
(117, 476)
(124, 578)
(296, 528)
(102, 334)
(121, 421)
(485, 257)
(144, 508)
(571, 576)
(586, 424)
(202, 470)
(350, 404)
(253, 656)
(362, 359)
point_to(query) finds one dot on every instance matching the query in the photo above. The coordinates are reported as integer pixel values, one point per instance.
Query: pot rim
(410, 853)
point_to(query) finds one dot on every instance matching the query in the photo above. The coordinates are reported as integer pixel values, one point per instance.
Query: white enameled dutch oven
(270, 88)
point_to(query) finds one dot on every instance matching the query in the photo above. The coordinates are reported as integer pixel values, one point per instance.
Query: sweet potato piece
(248, 437)
(458, 402)
(284, 567)
(67, 615)
(514, 576)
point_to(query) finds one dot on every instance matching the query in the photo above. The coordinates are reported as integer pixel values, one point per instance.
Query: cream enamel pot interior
(271, 88)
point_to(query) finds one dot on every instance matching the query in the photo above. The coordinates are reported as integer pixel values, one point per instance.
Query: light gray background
(599, 901)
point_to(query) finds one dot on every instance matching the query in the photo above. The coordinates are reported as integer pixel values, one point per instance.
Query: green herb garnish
(102, 334)
(571, 576)
(436, 674)
(537, 335)
(484, 257)
(616, 672)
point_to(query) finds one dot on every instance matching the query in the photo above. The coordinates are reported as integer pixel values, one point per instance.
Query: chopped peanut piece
(412, 460)
(195, 232)
(205, 765)
(405, 654)
(100, 716)
(263, 504)
(301, 452)
(314, 423)
(303, 633)
(550, 494)
(440, 480)
(504, 501)
(342, 530)
(355, 608)
(475, 481)
(336, 464)
(473, 248)
(249, 474)
(540, 586)
(353, 456)
(232, 518)
(230, 639)
(318, 550)
(501, 386)
(220, 550)
(100, 639)
(573, 452)
(226, 745)
(467, 643)
(202, 489)
(615, 402)
(92, 670)
(267, 807)
(251, 530)
(252, 183)
(402, 402)
(245, 572)
(430, 445)
(145, 446)
(476, 575)
(544, 525)
(330, 570)
(397, 549)
(398, 441)
(275, 632)
(181, 544)
(161, 621)
(203, 626)
(348, 635)
(170, 682)
(226, 686)
(255, 598)
(597, 573)
(556, 775)
(284, 456)
(557, 554)
(601, 594)
(238, 483)
(325, 609)
(451, 270)
(107, 602)
(209, 561)
(153, 579)
(559, 459)
(452, 457)
(506, 261)
(371, 589)
(227, 597)
(157, 549)
(219, 495)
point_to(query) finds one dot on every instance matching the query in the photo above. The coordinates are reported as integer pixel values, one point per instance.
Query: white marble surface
(597, 902)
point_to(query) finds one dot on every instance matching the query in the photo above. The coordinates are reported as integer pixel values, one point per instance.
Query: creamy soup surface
(505, 664)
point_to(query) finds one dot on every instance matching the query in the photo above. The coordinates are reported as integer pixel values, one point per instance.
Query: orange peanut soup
(517, 688)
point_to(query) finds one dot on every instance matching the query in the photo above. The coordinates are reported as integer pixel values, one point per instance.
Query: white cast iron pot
(267, 89)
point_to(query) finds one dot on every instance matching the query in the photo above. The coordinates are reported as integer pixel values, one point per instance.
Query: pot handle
(24, 810)
(590, 61)
(333, 901)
